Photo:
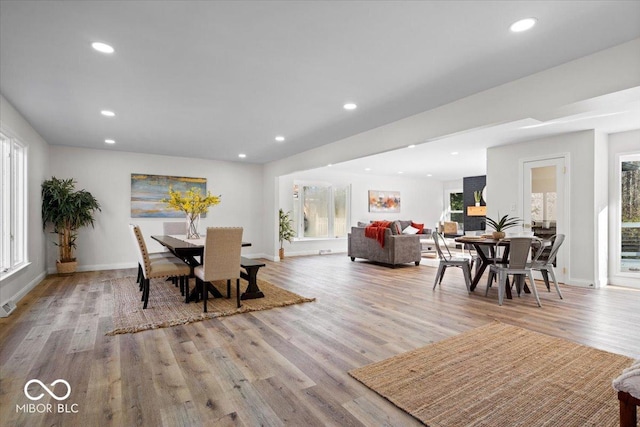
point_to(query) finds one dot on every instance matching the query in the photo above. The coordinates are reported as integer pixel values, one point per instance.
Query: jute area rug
(501, 375)
(167, 307)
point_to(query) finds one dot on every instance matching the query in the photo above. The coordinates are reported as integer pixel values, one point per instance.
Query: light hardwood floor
(285, 366)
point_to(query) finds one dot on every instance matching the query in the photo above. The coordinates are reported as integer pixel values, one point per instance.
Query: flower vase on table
(193, 220)
(193, 203)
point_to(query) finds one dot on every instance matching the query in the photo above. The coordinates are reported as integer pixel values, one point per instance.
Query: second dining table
(189, 250)
(481, 244)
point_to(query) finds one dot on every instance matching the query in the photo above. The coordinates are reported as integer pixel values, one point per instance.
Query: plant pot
(498, 235)
(477, 203)
(66, 267)
(281, 253)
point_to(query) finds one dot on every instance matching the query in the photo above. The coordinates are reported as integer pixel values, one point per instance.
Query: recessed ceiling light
(242, 155)
(102, 47)
(109, 141)
(367, 169)
(523, 25)
(329, 165)
(454, 153)
(107, 113)
(429, 174)
(400, 172)
(279, 138)
(412, 146)
(350, 106)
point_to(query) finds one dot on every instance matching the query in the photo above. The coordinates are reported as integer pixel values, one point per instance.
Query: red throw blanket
(375, 230)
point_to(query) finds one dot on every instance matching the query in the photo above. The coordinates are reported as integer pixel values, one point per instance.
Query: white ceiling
(434, 159)
(213, 79)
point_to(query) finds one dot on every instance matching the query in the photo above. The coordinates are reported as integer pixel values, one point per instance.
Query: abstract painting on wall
(384, 201)
(147, 191)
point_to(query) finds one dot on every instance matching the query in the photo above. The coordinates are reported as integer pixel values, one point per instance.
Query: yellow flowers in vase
(193, 204)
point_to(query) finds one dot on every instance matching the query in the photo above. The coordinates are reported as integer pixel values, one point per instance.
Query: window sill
(5, 275)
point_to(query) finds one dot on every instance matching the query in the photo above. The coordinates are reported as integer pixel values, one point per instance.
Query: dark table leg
(484, 262)
(251, 276)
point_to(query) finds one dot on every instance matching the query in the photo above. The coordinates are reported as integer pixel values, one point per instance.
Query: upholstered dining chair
(545, 266)
(516, 265)
(221, 260)
(152, 255)
(448, 260)
(170, 228)
(158, 268)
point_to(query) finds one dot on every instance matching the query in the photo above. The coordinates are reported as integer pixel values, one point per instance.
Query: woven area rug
(501, 375)
(167, 307)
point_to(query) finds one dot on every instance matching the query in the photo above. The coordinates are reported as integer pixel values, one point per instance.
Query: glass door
(629, 225)
(543, 207)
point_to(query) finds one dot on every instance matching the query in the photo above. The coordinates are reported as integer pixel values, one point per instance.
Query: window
(321, 210)
(630, 214)
(13, 204)
(455, 211)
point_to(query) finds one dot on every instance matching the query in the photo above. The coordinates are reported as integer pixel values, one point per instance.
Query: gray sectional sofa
(398, 248)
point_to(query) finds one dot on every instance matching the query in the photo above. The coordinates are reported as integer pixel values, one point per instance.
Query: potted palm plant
(285, 230)
(67, 210)
(502, 224)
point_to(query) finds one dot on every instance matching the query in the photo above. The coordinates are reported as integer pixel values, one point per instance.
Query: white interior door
(543, 203)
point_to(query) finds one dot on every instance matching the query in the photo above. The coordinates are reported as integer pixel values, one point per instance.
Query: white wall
(503, 190)
(600, 209)
(107, 175)
(17, 285)
(619, 143)
(421, 201)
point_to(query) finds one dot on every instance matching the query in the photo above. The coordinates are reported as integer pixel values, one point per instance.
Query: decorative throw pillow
(362, 224)
(410, 230)
(418, 226)
(404, 224)
(395, 227)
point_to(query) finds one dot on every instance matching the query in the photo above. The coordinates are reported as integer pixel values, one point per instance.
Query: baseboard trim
(580, 283)
(97, 267)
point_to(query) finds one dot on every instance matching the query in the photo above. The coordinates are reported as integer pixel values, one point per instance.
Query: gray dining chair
(545, 266)
(158, 268)
(221, 260)
(448, 260)
(519, 248)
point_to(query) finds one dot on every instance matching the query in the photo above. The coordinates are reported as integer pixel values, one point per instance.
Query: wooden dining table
(482, 242)
(190, 251)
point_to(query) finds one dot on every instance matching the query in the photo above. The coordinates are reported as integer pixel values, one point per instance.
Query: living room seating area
(398, 243)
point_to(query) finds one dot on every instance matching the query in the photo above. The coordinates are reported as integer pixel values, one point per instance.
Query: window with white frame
(321, 210)
(455, 207)
(13, 204)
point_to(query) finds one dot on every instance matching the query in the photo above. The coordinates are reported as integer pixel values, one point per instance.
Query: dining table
(191, 251)
(481, 244)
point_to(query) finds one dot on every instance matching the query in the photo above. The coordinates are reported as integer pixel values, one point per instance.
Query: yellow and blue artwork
(147, 191)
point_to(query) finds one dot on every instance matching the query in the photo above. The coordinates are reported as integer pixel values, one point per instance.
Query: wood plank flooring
(285, 366)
